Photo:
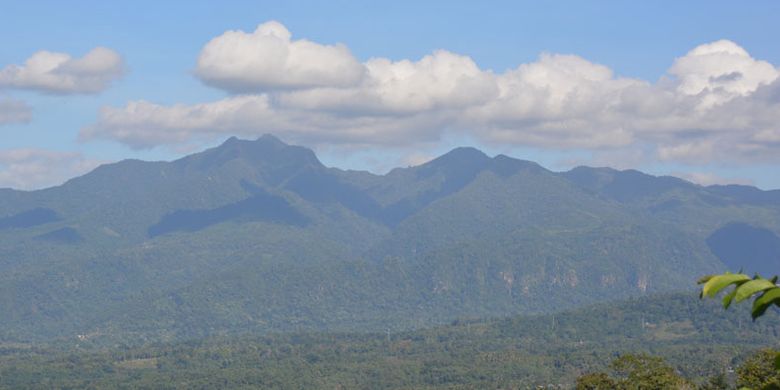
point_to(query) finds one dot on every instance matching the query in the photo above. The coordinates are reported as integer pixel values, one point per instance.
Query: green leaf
(728, 298)
(764, 301)
(747, 289)
(777, 361)
(705, 279)
(717, 283)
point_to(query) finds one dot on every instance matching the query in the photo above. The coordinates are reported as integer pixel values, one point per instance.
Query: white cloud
(14, 111)
(268, 59)
(720, 71)
(690, 151)
(715, 102)
(59, 73)
(29, 169)
(557, 101)
(440, 81)
(141, 124)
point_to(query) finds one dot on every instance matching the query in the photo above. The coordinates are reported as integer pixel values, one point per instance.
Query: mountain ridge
(260, 235)
(233, 143)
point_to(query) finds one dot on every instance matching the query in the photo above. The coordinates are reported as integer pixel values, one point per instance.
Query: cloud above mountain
(30, 168)
(720, 70)
(268, 59)
(60, 73)
(714, 102)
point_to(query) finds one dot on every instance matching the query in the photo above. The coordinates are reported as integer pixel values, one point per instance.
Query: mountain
(261, 236)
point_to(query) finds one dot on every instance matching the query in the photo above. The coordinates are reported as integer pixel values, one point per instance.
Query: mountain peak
(264, 141)
(460, 158)
(266, 150)
(267, 139)
(466, 152)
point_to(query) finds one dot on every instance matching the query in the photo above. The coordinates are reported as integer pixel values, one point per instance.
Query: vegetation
(635, 372)
(652, 372)
(765, 291)
(342, 279)
(759, 371)
(516, 352)
(259, 236)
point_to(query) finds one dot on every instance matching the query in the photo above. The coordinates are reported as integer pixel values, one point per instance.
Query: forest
(675, 337)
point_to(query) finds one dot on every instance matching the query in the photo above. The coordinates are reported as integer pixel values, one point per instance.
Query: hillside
(260, 236)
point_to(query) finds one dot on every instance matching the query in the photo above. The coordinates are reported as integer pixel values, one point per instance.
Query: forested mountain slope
(259, 235)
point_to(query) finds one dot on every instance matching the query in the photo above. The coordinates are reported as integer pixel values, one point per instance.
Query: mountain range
(260, 236)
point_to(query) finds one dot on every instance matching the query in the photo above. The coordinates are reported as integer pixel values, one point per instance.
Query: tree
(647, 372)
(635, 372)
(595, 381)
(717, 382)
(759, 372)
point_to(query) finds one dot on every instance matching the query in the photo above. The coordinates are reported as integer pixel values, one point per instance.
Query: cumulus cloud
(14, 111)
(558, 101)
(269, 59)
(440, 81)
(720, 71)
(28, 169)
(714, 102)
(59, 73)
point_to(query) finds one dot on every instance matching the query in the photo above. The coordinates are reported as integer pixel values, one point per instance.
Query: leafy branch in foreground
(766, 291)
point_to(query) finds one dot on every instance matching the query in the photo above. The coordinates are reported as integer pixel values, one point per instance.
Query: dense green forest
(697, 338)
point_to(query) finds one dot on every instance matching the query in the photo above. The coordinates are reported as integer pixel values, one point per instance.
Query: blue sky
(519, 105)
